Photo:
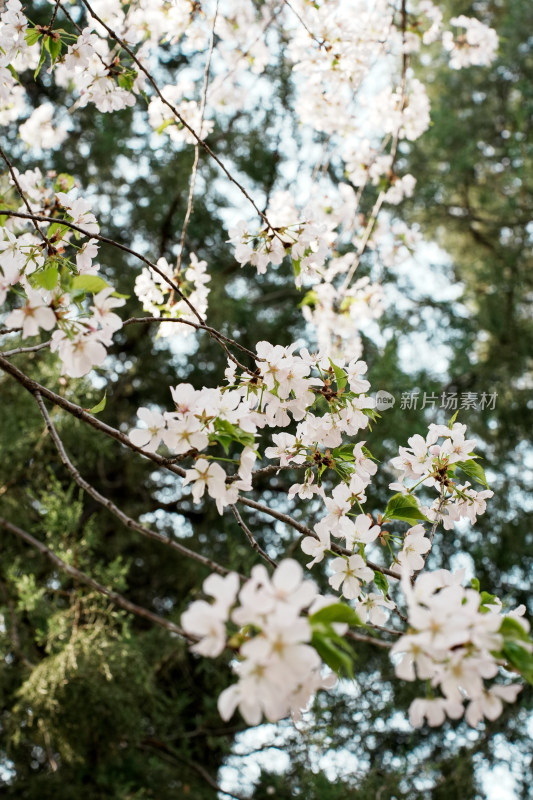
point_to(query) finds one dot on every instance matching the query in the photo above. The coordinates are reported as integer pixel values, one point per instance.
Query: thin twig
(201, 325)
(222, 337)
(22, 195)
(359, 637)
(249, 535)
(393, 153)
(33, 349)
(363, 242)
(190, 200)
(54, 14)
(176, 113)
(303, 529)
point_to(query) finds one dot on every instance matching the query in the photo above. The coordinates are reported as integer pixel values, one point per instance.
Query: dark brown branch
(129, 522)
(115, 597)
(303, 529)
(220, 338)
(80, 413)
(249, 535)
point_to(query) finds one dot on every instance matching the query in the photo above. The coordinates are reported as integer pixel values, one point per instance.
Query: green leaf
(89, 283)
(487, 599)
(452, 420)
(366, 452)
(520, 658)
(99, 406)
(335, 612)
(54, 48)
(343, 470)
(405, 508)
(339, 661)
(32, 36)
(56, 227)
(46, 279)
(474, 583)
(13, 71)
(222, 439)
(473, 470)
(512, 629)
(126, 80)
(344, 452)
(381, 582)
(225, 433)
(41, 59)
(296, 267)
(340, 376)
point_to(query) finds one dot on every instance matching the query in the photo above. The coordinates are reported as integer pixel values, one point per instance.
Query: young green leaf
(41, 59)
(381, 582)
(335, 612)
(32, 36)
(99, 406)
(340, 376)
(520, 658)
(512, 630)
(89, 283)
(473, 470)
(54, 48)
(452, 420)
(339, 661)
(46, 279)
(405, 508)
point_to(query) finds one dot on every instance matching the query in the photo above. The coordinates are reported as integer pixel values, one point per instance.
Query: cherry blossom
(34, 315)
(348, 574)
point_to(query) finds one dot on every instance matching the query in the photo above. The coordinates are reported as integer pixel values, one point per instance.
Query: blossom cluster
(454, 642)
(158, 296)
(476, 46)
(277, 668)
(54, 273)
(281, 390)
(431, 464)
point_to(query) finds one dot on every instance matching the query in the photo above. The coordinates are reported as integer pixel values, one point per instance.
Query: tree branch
(129, 522)
(303, 529)
(115, 597)
(176, 113)
(219, 337)
(249, 535)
